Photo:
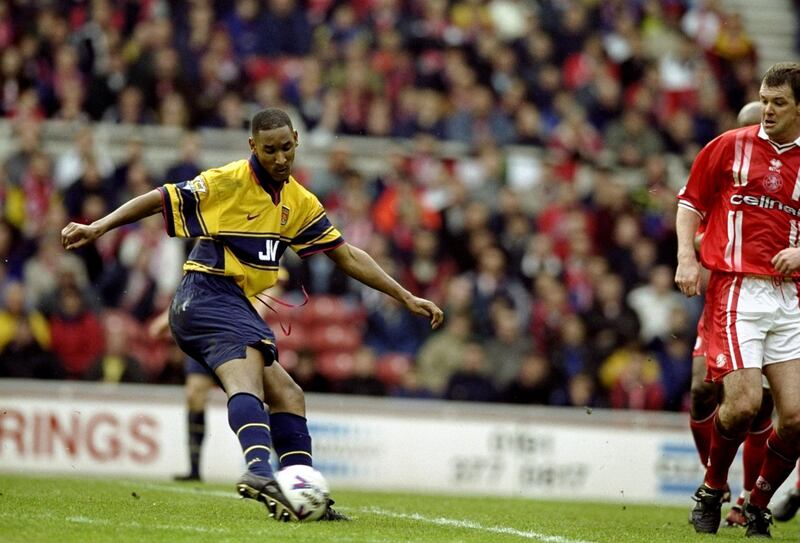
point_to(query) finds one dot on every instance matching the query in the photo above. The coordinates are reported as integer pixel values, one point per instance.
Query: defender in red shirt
(745, 185)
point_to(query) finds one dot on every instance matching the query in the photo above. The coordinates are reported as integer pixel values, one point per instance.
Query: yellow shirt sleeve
(317, 234)
(192, 208)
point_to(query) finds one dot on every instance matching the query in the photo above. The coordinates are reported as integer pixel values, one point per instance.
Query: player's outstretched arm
(76, 235)
(359, 265)
(687, 275)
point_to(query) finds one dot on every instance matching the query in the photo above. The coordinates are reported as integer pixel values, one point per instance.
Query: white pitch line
(440, 521)
(471, 525)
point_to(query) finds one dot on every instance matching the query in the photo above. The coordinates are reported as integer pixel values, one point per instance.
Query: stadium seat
(297, 339)
(335, 365)
(288, 359)
(334, 337)
(149, 352)
(331, 309)
(391, 367)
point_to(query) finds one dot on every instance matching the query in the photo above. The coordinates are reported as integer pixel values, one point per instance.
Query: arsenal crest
(284, 215)
(772, 182)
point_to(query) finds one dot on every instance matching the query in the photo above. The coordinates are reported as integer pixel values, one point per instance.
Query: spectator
(582, 391)
(40, 194)
(571, 355)
(24, 358)
(479, 123)
(173, 111)
(285, 29)
(492, 283)
(14, 311)
(115, 365)
(243, 24)
(90, 183)
(654, 304)
(611, 323)
(173, 372)
(129, 108)
(675, 361)
(77, 335)
(631, 139)
(363, 381)
(507, 350)
(441, 354)
(188, 166)
(633, 380)
(306, 375)
(534, 383)
(390, 329)
(469, 382)
(70, 165)
(43, 270)
(428, 268)
(29, 141)
(411, 387)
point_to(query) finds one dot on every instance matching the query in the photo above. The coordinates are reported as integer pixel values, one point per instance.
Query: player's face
(780, 115)
(274, 150)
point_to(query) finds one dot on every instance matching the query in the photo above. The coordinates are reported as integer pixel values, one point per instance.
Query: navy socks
(250, 423)
(197, 431)
(291, 439)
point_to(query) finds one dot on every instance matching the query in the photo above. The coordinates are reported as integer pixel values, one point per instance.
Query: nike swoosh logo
(251, 217)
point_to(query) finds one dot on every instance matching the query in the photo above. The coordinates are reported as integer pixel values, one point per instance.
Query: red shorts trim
(721, 313)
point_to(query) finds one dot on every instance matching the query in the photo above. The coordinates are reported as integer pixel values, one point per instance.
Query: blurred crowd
(556, 279)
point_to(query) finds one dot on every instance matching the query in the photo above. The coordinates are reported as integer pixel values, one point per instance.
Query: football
(306, 489)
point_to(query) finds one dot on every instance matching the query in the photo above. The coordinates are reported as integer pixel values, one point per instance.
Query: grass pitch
(63, 509)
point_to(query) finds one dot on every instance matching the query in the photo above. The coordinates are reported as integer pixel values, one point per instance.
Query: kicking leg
(243, 382)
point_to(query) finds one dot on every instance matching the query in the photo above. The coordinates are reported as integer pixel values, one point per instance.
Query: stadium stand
(516, 162)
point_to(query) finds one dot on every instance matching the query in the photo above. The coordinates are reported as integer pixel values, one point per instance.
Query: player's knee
(790, 426)
(290, 398)
(295, 397)
(738, 412)
(704, 398)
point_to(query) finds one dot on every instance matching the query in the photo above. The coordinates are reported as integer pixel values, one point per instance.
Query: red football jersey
(747, 190)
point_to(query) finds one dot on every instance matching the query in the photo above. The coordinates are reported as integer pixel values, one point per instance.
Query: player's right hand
(76, 235)
(687, 277)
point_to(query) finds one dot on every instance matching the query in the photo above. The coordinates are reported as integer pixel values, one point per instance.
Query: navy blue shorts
(193, 366)
(213, 322)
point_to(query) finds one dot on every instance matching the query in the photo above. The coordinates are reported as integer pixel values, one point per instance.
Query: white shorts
(750, 322)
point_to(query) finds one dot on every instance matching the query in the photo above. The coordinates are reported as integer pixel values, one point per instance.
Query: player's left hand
(787, 261)
(159, 326)
(426, 308)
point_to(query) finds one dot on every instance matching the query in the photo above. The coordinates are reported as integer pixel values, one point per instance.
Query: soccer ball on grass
(306, 489)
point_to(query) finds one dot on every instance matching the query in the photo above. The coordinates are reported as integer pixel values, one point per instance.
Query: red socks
(779, 462)
(755, 448)
(721, 454)
(701, 432)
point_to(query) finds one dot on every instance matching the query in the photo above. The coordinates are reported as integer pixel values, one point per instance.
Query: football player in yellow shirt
(246, 214)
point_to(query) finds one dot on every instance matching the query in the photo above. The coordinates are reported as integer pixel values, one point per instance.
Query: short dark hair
(270, 118)
(784, 73)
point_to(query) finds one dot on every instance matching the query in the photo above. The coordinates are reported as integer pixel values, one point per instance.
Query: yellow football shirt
(245, 221)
